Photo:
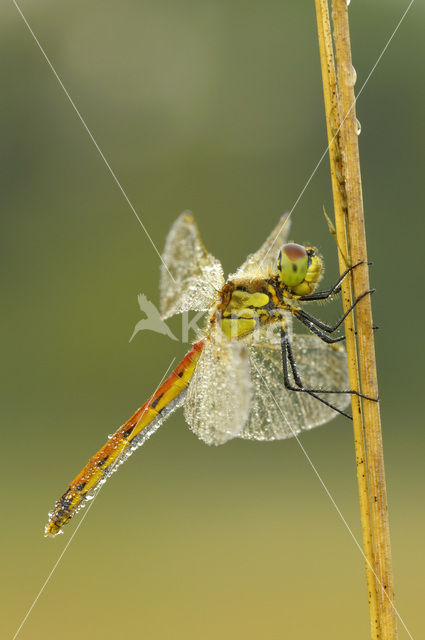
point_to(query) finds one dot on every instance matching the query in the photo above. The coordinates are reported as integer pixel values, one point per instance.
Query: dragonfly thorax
(245, 304)
(299, 268)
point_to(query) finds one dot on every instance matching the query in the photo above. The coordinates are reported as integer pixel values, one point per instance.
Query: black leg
(287, 354)
(323, 295)
(318, 332)
(287, 349)
(309, 320)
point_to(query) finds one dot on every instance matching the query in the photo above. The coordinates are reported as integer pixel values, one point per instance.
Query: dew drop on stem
(358, 127)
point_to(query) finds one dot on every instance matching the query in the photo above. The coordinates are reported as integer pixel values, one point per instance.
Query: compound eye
(292, 264)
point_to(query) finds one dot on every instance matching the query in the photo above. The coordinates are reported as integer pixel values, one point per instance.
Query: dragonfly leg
(335, 289)
(311, 327)
(310, 320)
(287, 352)
(287, 355)
(318, 332)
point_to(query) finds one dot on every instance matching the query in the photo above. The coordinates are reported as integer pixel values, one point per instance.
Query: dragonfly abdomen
(142, 424)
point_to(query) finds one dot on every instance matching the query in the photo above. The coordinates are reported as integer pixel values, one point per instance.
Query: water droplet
(348, 2)
(358, 127)
(351, 75)
(110, 435)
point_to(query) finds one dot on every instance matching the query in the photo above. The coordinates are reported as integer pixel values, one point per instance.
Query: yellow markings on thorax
(243, 311)
(241, 299)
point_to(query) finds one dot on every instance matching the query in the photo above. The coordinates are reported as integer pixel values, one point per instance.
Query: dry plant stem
(366, 346)
(333, 123)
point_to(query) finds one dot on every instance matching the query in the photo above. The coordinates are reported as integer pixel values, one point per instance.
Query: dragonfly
(248, 375)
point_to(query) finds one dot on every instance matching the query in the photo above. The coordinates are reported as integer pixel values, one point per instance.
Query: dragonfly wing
(263, 261)
(218, 397)
(277, 412)
(193, 276)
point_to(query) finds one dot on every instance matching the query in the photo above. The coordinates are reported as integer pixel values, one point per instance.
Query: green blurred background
(214, 107)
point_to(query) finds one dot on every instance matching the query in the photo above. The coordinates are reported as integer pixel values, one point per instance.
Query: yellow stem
(366, 345)
(338, 179)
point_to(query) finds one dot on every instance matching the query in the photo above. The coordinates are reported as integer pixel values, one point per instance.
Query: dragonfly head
(300, 268)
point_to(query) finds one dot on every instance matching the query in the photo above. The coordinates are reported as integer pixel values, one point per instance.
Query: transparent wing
(278, 413)
(218, 397)
(260, 263)
(196, 275)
